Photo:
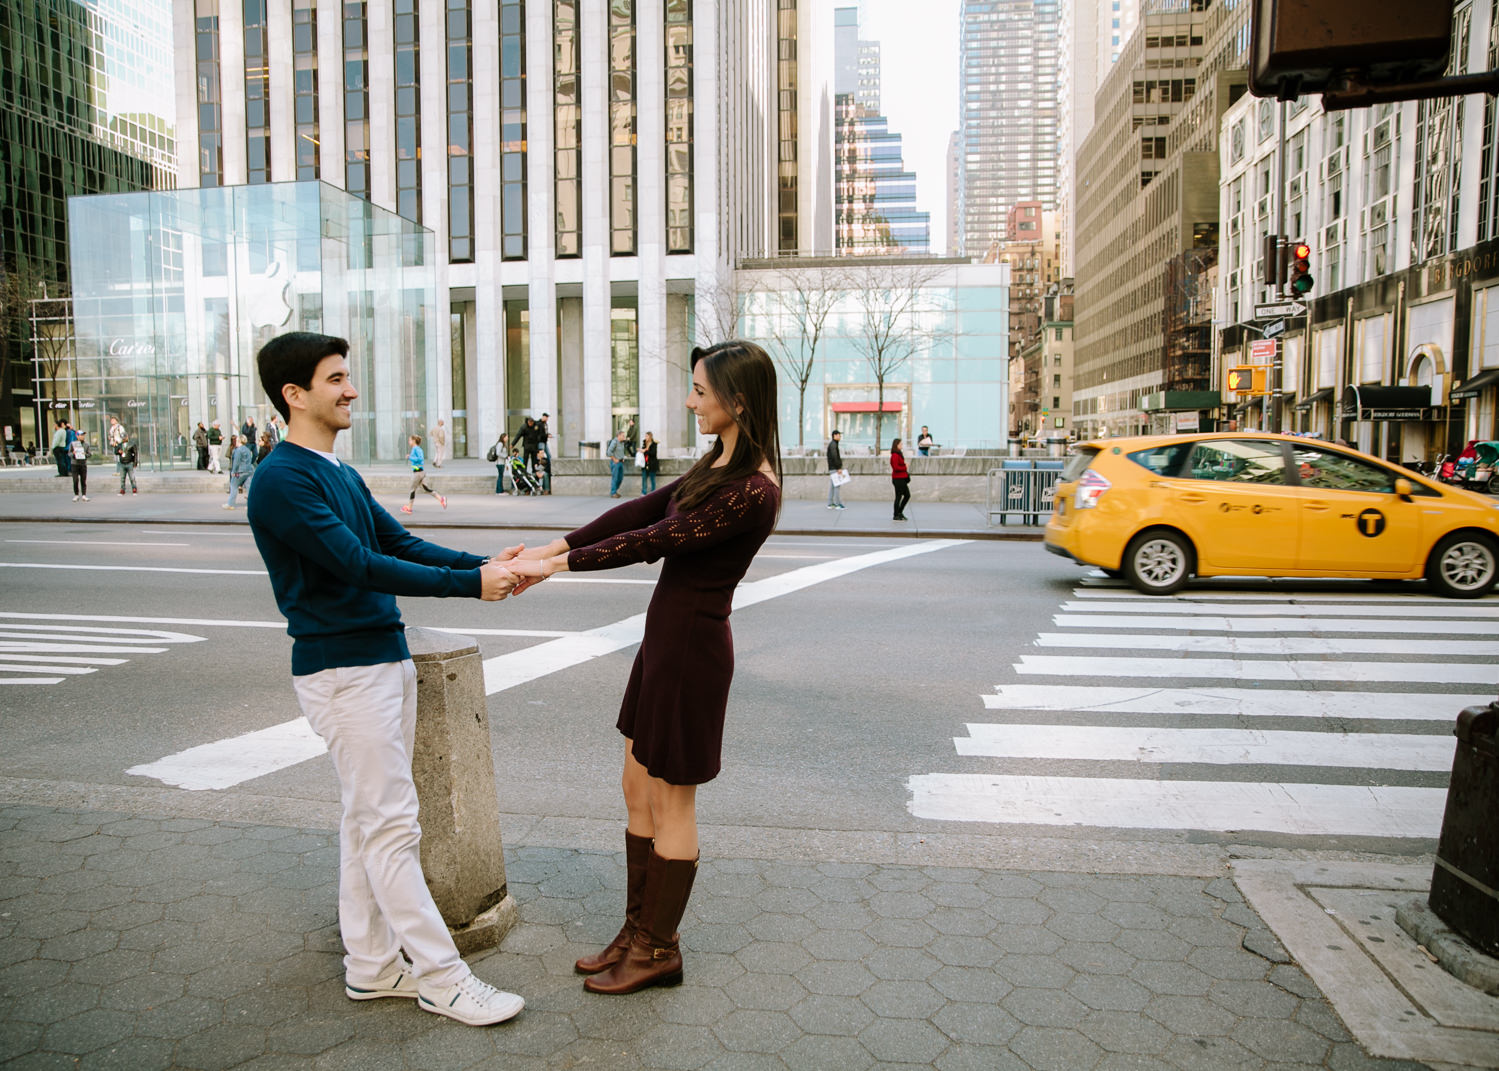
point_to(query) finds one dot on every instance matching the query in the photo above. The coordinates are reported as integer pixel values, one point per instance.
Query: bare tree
(18, 286)
(804, 299)
(50, 328)
(890, 298)
(716, 309)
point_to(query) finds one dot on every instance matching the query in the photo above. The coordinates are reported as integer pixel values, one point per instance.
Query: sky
(918, 88)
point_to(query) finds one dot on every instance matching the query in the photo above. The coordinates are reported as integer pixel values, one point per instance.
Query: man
(531, 437)
(837, 475)
(336, 561)
(127, 456)
(215, 447)
(78, 455)
(247, 431)
(277, 431)
(60, 448)
(924, 442)
(116, 434)
(619, 453)
(439, 444)
(200, 443)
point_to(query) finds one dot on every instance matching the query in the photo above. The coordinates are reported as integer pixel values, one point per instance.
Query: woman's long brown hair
(742, 376)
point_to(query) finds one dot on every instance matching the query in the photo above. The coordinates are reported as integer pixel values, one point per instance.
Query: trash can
(1465, 880)
(590, 450)
(1013, 445)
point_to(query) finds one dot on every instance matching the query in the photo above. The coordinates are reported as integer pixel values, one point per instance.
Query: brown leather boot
(653, 957)
(637, 852)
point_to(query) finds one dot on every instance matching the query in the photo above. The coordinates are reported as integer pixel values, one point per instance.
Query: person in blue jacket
(336, 562)
(419, 475)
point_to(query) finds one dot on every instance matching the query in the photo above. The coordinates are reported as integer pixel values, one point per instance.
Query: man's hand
(496, 581)
(508, 553)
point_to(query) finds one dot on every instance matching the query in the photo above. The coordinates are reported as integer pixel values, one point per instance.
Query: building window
(210, 99)
(622, 127)
(304, 86)
(786, 127)
(567, 114)
(257, 94)
(624, 365)
(408, 110)
(679, 126)
(513, 130)
(460, 43)
(356, 101)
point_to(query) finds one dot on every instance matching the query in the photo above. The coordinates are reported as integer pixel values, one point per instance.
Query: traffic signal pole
(1275, 375)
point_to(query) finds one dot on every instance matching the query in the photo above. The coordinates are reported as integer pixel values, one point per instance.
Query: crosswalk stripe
(1217, 806)
(11, 656)
(1434, 672)
(1450, 608)
(1393, 751)
(1209, 623)
(8, 667)
(1238, 702)
(225, 763)
(30, 680)
(8, 647)
(1263, 645)
(1120, 590)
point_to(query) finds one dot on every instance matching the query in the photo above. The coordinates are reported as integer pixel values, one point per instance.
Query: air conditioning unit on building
(1294, 190)
(1376, 215)
(1262, 207)
(1332, 234)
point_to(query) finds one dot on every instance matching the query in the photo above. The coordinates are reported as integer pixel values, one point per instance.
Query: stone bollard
(454, 773)
(1466, 875)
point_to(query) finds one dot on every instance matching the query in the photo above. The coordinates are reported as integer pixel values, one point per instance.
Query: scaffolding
(1187, 356)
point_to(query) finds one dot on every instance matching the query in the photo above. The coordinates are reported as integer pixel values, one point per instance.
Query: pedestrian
(126, 457)
(544, 465)
(901, 478)
(247, 429)
(619, 453)
(267, 444)
(215, 447)
(649, 464)
(274, 427)
(630, 435)
(60, 448)
(200, 443)
(439, 444)
(334, 559)
(241, 466)
(116, 433)
(708, 526)
(419, 475)
(499, 456)
(78, 455)
(924, 442)
(837, 474)
(530, 437)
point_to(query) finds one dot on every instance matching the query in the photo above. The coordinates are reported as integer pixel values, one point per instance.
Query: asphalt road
(854, 694)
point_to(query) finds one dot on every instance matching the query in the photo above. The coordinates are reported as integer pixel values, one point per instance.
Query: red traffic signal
(1301, 281)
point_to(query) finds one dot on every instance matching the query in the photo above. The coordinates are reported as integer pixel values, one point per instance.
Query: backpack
(494, 452)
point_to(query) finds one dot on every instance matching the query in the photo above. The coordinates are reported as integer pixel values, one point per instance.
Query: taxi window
(1329, 470)
(1237, 461)
(1162, 460)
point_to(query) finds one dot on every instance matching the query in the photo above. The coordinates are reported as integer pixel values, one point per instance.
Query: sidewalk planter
(1465, 880)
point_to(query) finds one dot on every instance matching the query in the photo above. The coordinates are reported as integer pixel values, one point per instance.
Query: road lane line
(1234, 702)
(12, 656)
(9, 647)
(1274, 624)
(1372, 751)
(224, 622)
(1450, 608)
(30, 680)
(1125, 592)
(1268, 670)
(1267, 645)
(132, 569)
(1218, 806)
(7, 667)
(93, 543)
(225, 763)
(77, 632)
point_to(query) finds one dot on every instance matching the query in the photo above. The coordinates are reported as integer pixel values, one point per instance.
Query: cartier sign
(120, 347)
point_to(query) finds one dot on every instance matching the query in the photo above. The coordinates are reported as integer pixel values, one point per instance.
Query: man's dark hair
(293, 358)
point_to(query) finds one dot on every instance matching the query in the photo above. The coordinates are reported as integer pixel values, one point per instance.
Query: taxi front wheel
(1158, 562)
(1463, 565)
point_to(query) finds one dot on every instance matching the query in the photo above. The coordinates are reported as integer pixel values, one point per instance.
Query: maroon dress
(674, 705)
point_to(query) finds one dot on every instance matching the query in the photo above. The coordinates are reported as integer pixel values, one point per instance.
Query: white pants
(215, 450)
(367, 717)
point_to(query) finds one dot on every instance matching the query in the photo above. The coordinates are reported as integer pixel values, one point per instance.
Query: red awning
(866, 407)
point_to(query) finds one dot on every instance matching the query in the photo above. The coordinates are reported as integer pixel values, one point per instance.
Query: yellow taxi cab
(1161, 509)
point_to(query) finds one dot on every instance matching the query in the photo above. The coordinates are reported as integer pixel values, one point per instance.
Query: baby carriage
(525, 483)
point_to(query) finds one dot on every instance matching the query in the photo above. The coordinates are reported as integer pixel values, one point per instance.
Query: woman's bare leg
(637, 787)
(664, 811)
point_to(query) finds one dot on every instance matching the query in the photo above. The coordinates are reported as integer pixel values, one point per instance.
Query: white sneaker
(75, 498)
(85, 498)
(471, 1001)
(396, 982)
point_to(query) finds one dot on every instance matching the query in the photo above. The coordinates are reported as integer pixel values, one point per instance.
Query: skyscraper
(1007, 132)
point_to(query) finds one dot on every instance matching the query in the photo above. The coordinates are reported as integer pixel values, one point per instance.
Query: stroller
(523, 481)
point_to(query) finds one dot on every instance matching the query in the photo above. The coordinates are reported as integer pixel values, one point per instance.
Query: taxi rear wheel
(1158, 562)
(1463, 565)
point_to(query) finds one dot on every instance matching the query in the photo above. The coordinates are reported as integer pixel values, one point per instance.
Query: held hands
(496, 581)
(535, 565)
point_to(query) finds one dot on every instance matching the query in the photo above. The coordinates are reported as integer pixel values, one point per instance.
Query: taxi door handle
(1193, 498)
(1318, 507)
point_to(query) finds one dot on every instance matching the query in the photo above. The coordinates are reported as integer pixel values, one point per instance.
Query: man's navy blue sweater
(337, 560)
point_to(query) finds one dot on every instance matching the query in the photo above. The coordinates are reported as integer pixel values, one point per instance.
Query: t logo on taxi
(1370, 523)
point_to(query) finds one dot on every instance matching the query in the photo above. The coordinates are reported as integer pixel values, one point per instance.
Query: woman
(419, 475)
(241, 465)
(501, 452)
(267, 444)
(708, 526)
(901, 478)
(651, 467)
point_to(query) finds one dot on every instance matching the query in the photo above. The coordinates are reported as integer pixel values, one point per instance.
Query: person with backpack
(499, 457)
(126, 455)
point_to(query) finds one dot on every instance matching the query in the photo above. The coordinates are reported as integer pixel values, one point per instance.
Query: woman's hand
(533, 571)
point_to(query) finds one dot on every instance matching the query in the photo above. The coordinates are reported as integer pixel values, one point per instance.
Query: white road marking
(1374, 751)
(1447, 608)
(30, 680)
(93, 543)
(133, 569)
(1123, 591)
(1265, 645)
(537, 633)
(578, 578)
(1269, 670)
(223, 622)
(7, 667)
(1125, 803)
(115, 635)
(225, 763)
(1237, 702)
(11, 656)
(1273, 624)
(9, 646)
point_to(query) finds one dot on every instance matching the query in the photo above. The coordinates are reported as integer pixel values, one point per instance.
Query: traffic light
(1301, 282)
(1246, 379)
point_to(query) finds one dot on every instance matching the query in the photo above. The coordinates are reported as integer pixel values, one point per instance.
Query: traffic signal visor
(1301, 268)
(1246, 379)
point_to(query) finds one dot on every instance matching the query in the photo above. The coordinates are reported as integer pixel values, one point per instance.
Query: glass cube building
(175, 292)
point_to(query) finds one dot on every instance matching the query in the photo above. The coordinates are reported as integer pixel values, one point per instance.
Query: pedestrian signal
(1301, 281)
(1246, 379)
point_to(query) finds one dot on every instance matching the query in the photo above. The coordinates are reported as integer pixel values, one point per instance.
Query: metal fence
(1023, 487)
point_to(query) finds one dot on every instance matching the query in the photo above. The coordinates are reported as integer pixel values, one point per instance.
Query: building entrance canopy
(175, 292)
(1386, 403)
(1476, 385)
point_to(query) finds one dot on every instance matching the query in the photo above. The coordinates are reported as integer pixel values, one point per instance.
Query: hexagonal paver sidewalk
(128, 941)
